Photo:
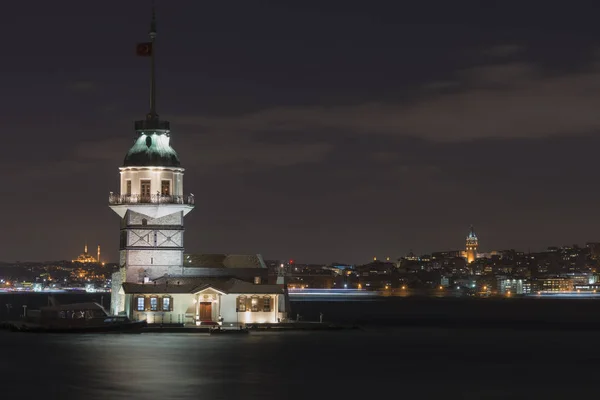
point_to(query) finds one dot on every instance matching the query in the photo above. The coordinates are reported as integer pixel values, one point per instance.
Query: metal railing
(117, 199)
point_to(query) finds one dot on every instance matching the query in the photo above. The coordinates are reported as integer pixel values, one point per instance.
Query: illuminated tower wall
(150, 200)
(472, 245)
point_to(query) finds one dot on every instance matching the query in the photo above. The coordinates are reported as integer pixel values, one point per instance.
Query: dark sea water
(378, 361)
(401, 363)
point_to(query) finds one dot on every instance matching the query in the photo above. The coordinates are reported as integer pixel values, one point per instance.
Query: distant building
(472, 244)
(594, 248)
(87, 258)
(552, 285)
(513, 286)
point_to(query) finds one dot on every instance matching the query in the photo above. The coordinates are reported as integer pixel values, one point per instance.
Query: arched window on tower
(144, 221)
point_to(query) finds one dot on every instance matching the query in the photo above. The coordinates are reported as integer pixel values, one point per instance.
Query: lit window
(153, 304)
(166, 304)
(165, 188)
(267, 304)
(254, 304)
(140, 303)
(128, 188)
(257, 280)
(241, 304)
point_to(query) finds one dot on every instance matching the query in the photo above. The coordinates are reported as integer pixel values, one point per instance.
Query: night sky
(315, 132)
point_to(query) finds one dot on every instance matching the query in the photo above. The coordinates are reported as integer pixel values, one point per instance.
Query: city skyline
(373, 138)
(392, 257)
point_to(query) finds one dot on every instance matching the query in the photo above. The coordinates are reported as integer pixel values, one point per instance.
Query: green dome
(151, 149)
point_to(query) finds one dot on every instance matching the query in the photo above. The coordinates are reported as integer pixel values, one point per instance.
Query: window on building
(145, 190)
(144, 222)
(166, 304)
(128, 188)
(257, 280)
(154, 304)
(141, 304)
(165, 188)
(254, 304)
(241, 304)
(267, 304)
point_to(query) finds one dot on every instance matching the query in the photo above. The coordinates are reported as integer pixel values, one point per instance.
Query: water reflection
(416, 363)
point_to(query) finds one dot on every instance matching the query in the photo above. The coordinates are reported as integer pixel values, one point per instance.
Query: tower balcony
(128, 199)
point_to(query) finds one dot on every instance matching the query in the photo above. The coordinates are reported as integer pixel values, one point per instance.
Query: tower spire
(148, 49)
(152, 115)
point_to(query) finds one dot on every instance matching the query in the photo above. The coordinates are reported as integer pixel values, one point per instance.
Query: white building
(152, 205)
(202, 301)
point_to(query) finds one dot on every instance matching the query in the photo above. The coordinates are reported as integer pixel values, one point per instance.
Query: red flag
(144, 49)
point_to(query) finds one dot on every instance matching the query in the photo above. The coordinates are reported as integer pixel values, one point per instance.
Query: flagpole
(152, 35)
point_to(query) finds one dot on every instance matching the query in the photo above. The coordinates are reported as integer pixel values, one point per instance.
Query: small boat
(76, 318)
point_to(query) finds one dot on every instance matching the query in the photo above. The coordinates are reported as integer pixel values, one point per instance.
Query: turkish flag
(144, 49)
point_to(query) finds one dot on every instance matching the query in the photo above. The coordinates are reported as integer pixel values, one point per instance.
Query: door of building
(206, 311)
(145, 190)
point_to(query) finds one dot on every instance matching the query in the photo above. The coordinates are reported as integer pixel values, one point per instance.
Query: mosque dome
(152, 149)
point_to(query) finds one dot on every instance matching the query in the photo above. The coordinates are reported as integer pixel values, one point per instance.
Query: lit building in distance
(87, 258)
(154, 282)
(472, 244)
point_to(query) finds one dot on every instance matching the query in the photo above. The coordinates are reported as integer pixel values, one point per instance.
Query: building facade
(232, 302)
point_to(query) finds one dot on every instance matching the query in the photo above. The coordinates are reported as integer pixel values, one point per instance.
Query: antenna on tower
(152, 34)
(148, 49)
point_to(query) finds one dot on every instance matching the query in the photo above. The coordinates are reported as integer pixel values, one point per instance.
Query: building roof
(157, 288)
(224, 261)
(238, 286)
(195, 285)
(152, 149)
(472, 234)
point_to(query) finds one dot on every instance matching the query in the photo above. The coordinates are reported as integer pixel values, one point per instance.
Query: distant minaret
(98, 253)
(85, 248)
(151, 202)
(471, 245)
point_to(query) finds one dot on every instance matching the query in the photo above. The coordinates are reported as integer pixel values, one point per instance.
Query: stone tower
(472, 244)
(150, 201)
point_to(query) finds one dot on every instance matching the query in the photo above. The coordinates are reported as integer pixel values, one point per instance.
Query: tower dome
(152, 149)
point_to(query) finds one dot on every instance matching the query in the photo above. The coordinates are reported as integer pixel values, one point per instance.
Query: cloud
(82, 86)
(504, 50)
(510, 100)
(247, 154)
(107, 149)
(507, 75)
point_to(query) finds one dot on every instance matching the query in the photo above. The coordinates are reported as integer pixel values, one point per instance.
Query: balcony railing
(118, 199)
